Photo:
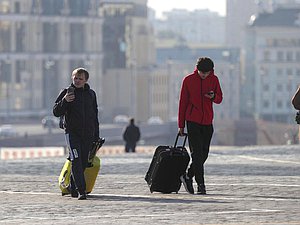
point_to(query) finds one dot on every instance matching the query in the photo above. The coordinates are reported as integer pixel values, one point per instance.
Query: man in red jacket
(199, 91)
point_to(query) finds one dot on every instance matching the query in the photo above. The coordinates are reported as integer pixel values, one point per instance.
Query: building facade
(193, 28)
(129, 56)
(272, 68)
(41, 42)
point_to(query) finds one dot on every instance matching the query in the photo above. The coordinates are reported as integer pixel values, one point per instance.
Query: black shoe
(66, 192)
(74, 194)
(187, 183)
(201, 189)
(82, 196)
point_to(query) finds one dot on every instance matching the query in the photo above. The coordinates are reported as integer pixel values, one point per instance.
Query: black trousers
(130, 146)
(79, 148)
(199, 143)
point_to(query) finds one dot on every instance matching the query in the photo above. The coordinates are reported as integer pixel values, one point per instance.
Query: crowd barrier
(40, 152)
(31, 152)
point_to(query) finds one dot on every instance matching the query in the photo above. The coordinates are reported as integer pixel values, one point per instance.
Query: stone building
(41, 42)
(272, 65)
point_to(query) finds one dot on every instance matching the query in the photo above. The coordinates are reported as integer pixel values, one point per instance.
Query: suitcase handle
(185, 137)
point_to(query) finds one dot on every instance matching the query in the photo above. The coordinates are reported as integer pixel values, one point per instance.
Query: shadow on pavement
(163, 198)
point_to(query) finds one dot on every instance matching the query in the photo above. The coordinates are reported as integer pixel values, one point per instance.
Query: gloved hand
(96, 146)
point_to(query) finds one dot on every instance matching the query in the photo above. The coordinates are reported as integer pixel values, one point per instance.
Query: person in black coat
(78, 104)
(131, 136)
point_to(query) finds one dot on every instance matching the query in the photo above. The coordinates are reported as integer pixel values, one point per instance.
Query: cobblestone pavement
(245, 185)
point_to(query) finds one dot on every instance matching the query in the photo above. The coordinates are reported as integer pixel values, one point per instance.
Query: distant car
(121, 119)
(50, 122)
(8, 131)
(155, 120)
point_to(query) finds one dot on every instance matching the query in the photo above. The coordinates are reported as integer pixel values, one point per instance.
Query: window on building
(298, 56)
(50, 42)
(77, 38)
(280, 56)
(5, 71)
(52, 7)
(266, 87)
(279, 104)
(5, 36)
(79, 7)
(289, 56)
(17, 7)
(289, 72)
(20, 33)
(267, 56)
(266, 104)
(20, 65)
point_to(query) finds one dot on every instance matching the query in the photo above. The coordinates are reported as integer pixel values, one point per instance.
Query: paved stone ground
(245, 185)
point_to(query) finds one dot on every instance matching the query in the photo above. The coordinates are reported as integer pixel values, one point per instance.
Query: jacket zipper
(83, 111)
(202, 100)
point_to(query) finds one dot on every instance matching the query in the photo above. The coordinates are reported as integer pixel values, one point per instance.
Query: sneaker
(187, 183)
(201, 190)
(82, 196)
(74, 194)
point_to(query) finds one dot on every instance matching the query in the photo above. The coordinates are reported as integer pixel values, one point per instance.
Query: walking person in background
(296, 104)
(78, 104)
(131, 136)
(296, 99)
(199, 91)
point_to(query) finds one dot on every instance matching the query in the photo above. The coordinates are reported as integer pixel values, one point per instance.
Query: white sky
(166, 5)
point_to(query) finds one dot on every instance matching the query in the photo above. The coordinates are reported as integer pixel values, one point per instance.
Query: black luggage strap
(185, 137)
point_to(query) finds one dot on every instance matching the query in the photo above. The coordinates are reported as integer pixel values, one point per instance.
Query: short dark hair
(131, 120)
(81, 70)
(205, 64)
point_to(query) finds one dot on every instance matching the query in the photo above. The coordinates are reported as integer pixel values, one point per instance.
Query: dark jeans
(130, 147)
(199, 142)
(78, 154)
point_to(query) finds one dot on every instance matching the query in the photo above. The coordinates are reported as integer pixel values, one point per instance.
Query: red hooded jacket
(193, 105)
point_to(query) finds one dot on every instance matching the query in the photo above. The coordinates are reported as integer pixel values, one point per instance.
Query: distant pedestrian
(199, 91)
(296, 99)
(131, 136)
(296, 104)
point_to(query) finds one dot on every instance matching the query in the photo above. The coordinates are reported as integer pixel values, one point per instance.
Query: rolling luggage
(90, 175)
(167, 165)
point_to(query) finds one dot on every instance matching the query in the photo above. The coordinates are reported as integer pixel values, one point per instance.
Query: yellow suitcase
(90, 175)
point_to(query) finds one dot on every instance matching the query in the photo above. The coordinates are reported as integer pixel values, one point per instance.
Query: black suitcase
(167, 165)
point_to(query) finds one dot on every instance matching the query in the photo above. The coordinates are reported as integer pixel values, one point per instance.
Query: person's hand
(69, 97)
(210, 95)
(181, 131)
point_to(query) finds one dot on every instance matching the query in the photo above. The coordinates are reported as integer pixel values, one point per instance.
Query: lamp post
(171, 89)
(133, 88)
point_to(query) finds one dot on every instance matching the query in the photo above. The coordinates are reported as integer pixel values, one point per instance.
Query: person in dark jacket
(296, 99)
(78, 104)
(131, 136)
(199, 91)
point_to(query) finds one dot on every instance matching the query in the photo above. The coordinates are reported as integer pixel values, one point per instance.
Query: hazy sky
(163, 5)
